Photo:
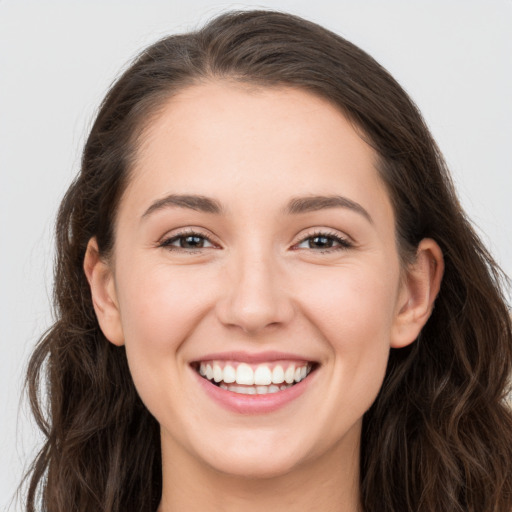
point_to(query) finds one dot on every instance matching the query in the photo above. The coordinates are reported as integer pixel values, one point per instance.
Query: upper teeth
(260, 375)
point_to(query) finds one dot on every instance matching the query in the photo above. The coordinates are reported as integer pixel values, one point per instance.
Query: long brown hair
(439, 435)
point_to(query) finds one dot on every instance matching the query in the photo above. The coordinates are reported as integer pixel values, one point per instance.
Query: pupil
(321, 242)
(191, 242)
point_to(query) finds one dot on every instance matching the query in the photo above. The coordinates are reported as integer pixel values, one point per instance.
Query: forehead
(253, 145)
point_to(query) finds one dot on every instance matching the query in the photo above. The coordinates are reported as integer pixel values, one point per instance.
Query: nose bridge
(255, 295)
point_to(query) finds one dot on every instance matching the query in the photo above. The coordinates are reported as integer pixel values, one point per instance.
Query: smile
(254, 379)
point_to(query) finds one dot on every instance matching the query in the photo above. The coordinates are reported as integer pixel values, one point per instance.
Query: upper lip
(254, 358)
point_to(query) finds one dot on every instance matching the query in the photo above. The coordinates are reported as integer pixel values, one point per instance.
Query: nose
(256, 296)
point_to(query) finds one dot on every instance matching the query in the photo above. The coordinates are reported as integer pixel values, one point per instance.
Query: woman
(268, 295)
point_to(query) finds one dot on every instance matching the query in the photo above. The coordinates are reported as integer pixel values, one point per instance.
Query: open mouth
(254, 379)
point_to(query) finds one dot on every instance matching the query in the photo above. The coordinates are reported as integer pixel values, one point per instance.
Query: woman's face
(255, 240)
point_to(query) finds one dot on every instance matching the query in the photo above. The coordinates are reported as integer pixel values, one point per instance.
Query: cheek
(351, 304)
(353, 308)
(160, 307)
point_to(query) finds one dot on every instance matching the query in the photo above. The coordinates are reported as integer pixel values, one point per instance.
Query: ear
(418, 292)
(101, 280)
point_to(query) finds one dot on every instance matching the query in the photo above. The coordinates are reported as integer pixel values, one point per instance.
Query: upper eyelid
(324, 232)
(178, 232)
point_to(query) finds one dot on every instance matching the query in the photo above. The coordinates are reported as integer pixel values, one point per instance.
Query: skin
(258, 284)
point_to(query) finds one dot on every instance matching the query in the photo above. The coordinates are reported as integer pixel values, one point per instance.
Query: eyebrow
(193, 202)
(296, 206)
(315, 203)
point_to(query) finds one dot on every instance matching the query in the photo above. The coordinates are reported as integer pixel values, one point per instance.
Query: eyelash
(343, 243)
(166, 243)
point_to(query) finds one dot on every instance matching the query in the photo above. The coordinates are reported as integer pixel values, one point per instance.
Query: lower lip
(254, 404)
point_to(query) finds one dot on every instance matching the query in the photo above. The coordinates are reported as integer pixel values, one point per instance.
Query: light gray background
(57, 60)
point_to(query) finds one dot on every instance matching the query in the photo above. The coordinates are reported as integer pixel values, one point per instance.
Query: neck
(329, 483)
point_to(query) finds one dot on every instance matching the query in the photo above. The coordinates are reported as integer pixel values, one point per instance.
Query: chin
(239, 457)
(255, 466)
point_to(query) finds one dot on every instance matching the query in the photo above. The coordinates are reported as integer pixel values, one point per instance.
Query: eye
(324, 242)
(189, 241)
